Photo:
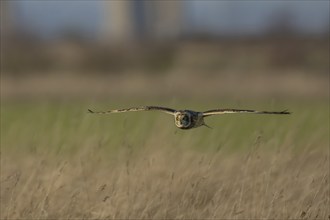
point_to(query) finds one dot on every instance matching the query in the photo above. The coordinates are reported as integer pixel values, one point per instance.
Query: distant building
(131, 20)
(5, 19)
(117, 23)
(166, 19)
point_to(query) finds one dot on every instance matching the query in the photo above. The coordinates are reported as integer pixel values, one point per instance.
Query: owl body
(187, 119)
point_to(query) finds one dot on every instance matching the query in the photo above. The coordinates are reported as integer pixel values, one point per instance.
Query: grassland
(57, 161)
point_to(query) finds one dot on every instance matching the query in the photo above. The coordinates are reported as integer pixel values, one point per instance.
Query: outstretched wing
(226, 111)
(144, 108)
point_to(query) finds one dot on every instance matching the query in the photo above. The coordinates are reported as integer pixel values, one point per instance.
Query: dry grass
(168, 184)
(63, 163)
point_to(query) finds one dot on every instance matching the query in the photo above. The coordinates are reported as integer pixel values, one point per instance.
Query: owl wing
(226, 111)
(135, 109)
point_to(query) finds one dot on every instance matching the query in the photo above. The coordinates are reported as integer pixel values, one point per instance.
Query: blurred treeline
(26, 55)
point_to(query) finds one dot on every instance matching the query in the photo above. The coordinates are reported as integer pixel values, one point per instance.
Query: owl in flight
(187, 119)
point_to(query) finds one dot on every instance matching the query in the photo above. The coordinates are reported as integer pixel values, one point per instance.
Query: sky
(49, 18)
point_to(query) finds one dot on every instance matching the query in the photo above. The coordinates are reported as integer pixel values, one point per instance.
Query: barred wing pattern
(144, 108)
(226, 111)
(187, 119)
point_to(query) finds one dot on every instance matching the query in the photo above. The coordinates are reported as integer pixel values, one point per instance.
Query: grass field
(57, 161)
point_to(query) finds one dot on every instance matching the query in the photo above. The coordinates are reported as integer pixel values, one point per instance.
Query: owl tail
(206, 125)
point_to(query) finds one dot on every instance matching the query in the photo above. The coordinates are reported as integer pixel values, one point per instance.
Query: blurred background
(60, 58)
(164, 49)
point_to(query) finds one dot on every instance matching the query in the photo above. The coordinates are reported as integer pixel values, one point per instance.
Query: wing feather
(135, 109)
(226, 111)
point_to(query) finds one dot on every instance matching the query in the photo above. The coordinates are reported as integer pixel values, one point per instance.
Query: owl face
(183, 119)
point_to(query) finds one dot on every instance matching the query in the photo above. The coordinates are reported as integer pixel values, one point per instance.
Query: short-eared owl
(187, 119)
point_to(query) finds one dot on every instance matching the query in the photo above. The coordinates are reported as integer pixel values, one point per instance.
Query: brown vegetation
(168, 183)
